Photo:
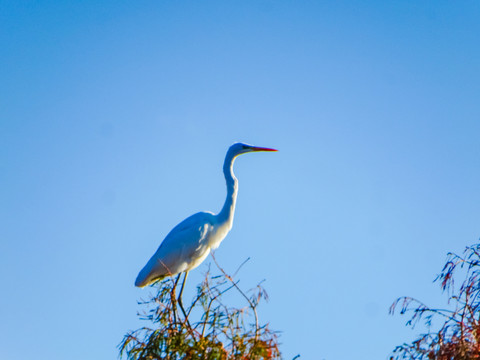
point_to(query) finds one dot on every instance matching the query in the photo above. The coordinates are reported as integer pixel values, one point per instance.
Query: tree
(459, 336)
(208, 329)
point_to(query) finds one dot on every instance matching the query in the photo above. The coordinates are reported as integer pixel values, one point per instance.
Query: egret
(190, 242)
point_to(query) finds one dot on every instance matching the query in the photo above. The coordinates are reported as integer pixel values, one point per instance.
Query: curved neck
(226, 214)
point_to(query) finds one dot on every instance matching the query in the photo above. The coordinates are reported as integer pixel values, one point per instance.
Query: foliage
(459, 336)
(207, 329)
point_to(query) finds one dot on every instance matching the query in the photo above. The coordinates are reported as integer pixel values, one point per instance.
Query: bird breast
(218, 234)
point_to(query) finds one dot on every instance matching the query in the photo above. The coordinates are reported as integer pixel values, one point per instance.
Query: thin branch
(252, 306)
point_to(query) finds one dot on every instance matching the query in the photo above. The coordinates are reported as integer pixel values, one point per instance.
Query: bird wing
(182, 248)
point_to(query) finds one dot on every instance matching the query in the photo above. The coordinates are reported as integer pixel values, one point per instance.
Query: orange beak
(256, 148)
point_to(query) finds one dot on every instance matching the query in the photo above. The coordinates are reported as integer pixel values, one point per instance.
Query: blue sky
(115, 117)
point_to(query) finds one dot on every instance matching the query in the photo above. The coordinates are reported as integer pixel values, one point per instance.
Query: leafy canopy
(459, 336)
(207, 329)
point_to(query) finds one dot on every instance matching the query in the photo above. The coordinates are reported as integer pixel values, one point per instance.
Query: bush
(206, 329)
(459, 336)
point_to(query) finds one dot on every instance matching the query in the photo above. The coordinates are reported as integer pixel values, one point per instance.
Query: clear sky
(115, 117)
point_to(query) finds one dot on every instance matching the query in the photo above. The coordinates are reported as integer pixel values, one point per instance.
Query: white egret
(190, 242)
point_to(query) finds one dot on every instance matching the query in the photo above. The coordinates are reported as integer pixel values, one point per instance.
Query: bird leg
(174, 299)
(180, 296)
(175, 285)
